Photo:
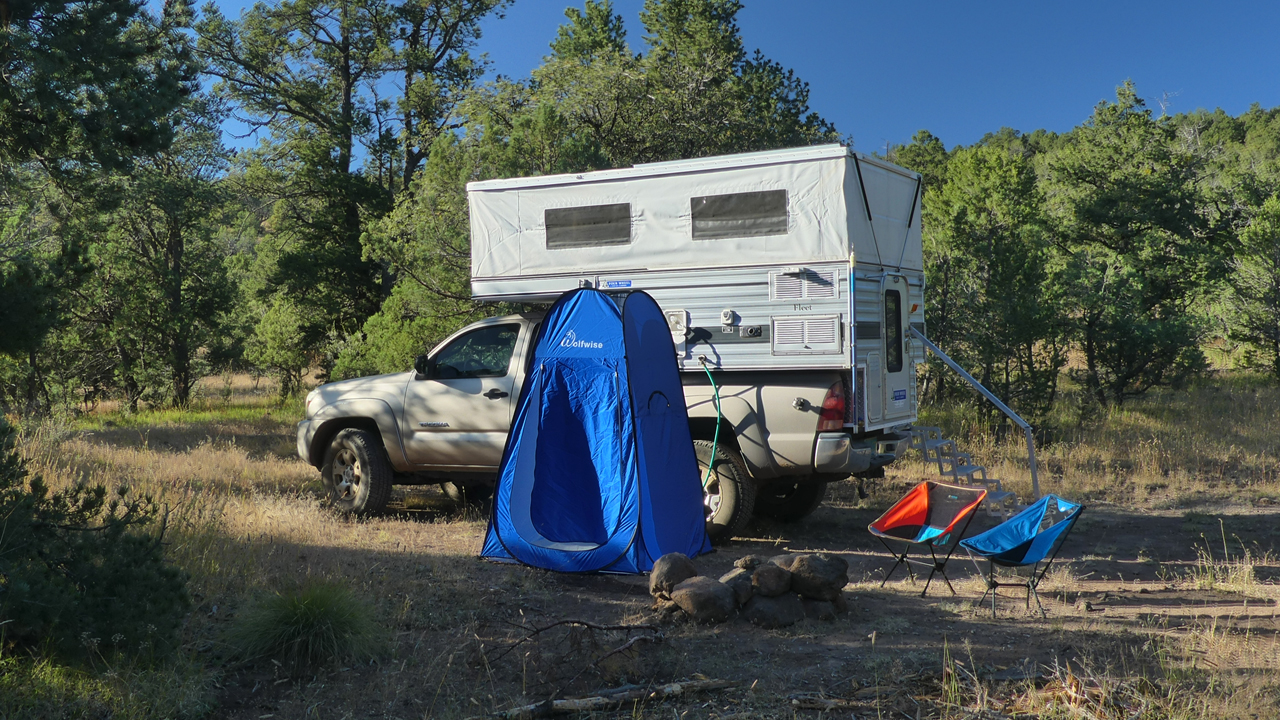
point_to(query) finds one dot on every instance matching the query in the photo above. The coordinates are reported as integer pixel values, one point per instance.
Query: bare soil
(1123, 607)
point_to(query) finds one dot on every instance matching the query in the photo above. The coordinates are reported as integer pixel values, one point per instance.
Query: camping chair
(928, 516)
(1025, 540)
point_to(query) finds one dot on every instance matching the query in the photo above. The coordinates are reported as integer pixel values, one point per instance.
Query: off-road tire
(356, 473)
(730, 493)
(472, 495)
(787, 501)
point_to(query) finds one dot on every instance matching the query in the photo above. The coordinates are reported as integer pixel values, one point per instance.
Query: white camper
(800, 259)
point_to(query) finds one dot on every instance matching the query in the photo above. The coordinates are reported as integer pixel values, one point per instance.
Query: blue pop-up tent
(599, 472)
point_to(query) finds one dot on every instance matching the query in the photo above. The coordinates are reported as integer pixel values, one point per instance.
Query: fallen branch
(609, 700)
(533, 632)
(817, 701)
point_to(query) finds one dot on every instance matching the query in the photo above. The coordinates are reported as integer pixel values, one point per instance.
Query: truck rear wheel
(728, 494)
(788, 501)
(356, 473)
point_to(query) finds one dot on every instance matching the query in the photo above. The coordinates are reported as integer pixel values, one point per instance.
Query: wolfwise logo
(571, 341)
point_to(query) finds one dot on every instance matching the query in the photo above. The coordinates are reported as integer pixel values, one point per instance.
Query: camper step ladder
(961, 470)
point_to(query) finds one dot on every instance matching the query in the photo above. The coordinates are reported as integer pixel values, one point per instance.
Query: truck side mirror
(424, 366)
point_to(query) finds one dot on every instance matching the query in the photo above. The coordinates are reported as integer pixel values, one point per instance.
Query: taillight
(832, 415)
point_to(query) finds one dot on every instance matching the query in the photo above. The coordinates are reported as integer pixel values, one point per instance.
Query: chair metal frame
(1033, 579)
(936, 566)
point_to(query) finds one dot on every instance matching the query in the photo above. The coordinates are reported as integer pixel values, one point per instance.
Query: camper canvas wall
(775, 208)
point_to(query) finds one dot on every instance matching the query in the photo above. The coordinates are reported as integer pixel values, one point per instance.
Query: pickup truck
(779, 436)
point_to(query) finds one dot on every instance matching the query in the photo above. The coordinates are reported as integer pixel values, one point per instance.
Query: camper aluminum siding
(769, 288)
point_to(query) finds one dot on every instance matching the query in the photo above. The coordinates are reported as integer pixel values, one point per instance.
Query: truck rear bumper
(835, 453)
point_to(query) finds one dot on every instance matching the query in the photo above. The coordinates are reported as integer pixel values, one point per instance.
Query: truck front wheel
(728, 492)
(788, 501)
(356, 473)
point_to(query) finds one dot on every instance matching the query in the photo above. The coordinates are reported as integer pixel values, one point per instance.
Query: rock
(774, 612)
(739, 581)
(665, 607)
(770, 580)
(840, 604)
(704, 599)
(669, 571)
(818, 609)
(750, 562)
(784, 561)
(820, 576)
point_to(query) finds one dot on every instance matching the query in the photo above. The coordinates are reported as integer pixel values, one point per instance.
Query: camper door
(898, 370)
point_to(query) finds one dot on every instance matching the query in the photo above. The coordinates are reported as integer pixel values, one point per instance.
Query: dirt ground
(1162, 605)
(1131, 612)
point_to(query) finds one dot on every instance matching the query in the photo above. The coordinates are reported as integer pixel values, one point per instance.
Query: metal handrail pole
(1017, 419)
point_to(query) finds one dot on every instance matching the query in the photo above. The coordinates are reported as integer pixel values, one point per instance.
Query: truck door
(460, 414)
(898, 368)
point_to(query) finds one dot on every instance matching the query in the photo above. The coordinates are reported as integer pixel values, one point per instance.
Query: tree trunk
(1275, 358)
(129, 381)
(33, 383)
(412, 155)
(179, 349)
(1094, 382)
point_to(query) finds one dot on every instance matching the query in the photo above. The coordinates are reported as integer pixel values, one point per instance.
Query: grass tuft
(314, 625)
(1232, 574)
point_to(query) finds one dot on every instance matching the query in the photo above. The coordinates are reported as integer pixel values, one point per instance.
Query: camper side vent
(808, 284)
(786, 287)
(806, 335)
(788, 332)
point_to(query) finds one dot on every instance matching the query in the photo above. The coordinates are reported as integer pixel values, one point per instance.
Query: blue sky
(883, 70)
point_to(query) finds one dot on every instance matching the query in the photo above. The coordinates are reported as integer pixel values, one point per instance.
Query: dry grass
(1214, 444)
(247, 520)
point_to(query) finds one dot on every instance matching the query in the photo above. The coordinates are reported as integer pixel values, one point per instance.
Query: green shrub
(316, 624)
(79, 573)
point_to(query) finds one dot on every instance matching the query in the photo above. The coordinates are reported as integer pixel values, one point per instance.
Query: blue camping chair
(1027, 539)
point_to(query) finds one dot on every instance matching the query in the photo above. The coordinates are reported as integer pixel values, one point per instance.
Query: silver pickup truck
(781, 437)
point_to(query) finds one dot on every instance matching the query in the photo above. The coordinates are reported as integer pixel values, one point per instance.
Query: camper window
(749, 214)
(588, 226)
(484, 352)
(893, 330)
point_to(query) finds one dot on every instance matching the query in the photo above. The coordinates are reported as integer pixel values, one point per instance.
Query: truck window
(893, 330)
(588, 226)
(484, 352)
(749, 214)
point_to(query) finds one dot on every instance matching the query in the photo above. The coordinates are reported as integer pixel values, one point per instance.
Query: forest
(166, 300)
(139, 254)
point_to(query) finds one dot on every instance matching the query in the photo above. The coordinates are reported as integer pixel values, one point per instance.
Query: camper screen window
(588, 226)
(749, 214)
(893, 330)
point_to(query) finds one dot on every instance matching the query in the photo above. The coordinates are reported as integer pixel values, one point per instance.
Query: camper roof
(672, 167)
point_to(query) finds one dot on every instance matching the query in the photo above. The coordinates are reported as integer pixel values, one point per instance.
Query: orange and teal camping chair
(933, 515)
(1025, 540)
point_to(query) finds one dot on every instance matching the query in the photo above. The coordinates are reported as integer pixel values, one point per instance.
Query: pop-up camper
(792, 259)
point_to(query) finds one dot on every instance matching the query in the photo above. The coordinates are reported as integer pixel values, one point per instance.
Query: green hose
(715, 439)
